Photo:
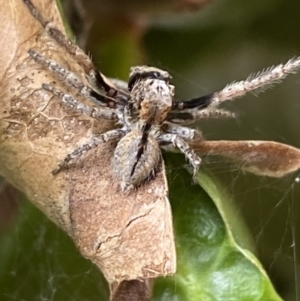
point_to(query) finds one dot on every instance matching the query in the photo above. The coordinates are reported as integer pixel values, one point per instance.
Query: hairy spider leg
(182, 131)
(98, 113)
(79, 55)
(255, 83)
(94, 142)
(72, 79)
(189, 116)
(60, 38)
(184, 147)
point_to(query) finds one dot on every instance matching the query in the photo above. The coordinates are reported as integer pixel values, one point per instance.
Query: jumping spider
(146, 109)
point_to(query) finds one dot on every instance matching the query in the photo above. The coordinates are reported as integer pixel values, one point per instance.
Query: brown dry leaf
(129, 236)
(263, 158)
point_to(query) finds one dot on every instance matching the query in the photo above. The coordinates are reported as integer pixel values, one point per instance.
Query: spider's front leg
(64, 42)
(190, 116)
(98, 79)
(94, 142)
(255, 83)
(73, 80)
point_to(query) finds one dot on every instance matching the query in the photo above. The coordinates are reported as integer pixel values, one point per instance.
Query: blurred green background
(225, 41)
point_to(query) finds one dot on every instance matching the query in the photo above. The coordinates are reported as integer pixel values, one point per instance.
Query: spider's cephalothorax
(151, 95)
(146, 108)
(137, 154)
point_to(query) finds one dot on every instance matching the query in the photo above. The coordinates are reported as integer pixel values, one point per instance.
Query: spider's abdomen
(135, 160)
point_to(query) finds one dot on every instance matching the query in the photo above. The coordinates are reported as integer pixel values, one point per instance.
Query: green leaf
(211, 265)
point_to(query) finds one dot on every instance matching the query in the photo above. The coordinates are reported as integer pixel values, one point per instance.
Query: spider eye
(154, 75)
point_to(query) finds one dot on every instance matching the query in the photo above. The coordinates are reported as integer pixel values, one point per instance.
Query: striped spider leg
(255, 83)
(97, 80)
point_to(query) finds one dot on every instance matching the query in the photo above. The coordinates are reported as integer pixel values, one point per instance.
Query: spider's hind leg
(184, 147)
(94, 142)
(184, 132)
